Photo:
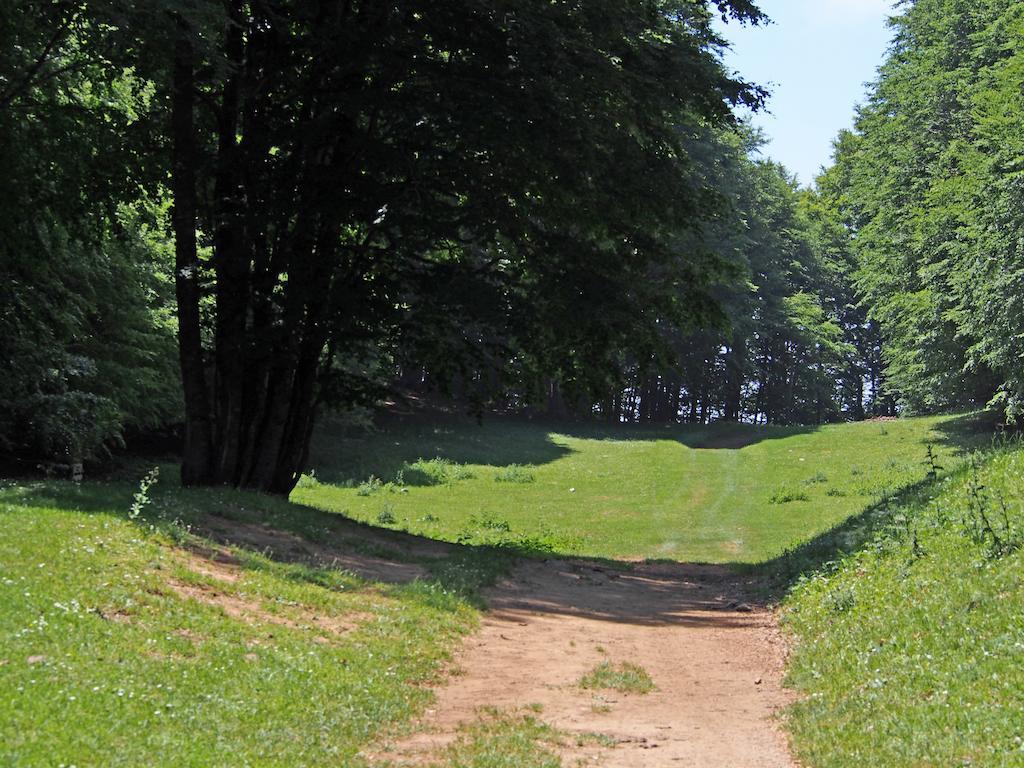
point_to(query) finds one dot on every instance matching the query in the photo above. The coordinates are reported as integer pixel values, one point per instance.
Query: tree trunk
(195, 467)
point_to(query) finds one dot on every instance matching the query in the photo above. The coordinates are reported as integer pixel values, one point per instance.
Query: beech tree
(340, 167)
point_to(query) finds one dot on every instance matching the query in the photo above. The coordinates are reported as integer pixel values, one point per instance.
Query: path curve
(717, 662)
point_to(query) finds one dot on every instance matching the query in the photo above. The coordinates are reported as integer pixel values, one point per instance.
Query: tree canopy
(228, 217)
(928, 187)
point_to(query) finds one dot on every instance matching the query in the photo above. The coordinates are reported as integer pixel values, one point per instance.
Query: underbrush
(910, 650)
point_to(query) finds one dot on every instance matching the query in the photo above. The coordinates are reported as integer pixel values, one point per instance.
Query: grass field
(724, 493)
(127, 627)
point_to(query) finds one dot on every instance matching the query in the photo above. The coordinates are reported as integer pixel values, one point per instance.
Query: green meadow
(131, 618)
(721, 493)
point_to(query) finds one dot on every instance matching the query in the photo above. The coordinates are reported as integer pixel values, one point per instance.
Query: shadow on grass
(964, 434)
(652, 593)
(968, 432)
(340, 457)
(397, 450)
(718, 436)
(772, 579)
(323, 546)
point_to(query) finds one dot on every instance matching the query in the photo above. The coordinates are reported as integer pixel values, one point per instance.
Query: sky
(815, 58)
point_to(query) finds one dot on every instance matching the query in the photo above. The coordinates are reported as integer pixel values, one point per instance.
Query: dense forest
(224, 219)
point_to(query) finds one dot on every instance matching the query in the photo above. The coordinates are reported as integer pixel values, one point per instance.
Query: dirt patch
(289, 547)
(252, 611)
(715, 658)
(217, 563)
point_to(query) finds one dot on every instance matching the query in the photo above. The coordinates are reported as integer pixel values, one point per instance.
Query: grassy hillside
(725, 493)
(139, 642)
(911, 651)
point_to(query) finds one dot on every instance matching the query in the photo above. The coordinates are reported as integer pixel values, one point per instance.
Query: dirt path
(717, 664)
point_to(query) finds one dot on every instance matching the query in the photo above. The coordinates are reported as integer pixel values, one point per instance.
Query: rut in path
(717, 664)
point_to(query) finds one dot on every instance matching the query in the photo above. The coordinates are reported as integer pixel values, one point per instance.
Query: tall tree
(349, 164)
(926, 188)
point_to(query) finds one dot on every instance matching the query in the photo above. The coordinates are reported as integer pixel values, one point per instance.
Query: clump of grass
(502, 740)
(624, 677)
(436, 471)
(787, 495)
(836, 493)
(589, 738)
(488, 530)
(816, 479)
(369, 487)
(387, 515)
(514, 473)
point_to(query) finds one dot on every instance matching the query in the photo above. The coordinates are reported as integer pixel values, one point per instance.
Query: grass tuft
(505, 740)
(514, 474)
(624, 677)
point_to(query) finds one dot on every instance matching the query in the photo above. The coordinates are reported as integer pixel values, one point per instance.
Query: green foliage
(787, 345)
(86, 329)
(928, 188)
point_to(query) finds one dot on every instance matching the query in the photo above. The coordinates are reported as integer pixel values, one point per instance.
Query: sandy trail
(717, 665)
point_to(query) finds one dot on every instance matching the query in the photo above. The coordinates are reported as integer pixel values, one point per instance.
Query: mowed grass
(910, 652)
(723, 493)
(136, 642)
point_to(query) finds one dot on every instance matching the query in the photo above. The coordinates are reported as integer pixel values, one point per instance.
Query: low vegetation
(505, 740)
(624, 677)
(305, 634)
(124, 632)
(910, 649)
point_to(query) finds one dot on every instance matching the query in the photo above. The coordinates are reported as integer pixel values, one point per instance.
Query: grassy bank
(910, 652)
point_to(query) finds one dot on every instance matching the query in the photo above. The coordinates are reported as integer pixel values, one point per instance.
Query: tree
(926, 187)
(350, 165)
(86, 335)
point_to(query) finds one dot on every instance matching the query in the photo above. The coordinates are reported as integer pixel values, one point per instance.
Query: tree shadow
(971, 431)
(342, 458)
(258, 528)
(397, 450)
(717, 436)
